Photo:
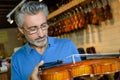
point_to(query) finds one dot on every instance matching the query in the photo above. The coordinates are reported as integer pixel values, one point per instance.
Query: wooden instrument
(50, 31)
(67, 23)
(75, 20)
(86, 15)
(100, 11)
(91, 67)
(81, 17)
(95, 17)
(108, 13)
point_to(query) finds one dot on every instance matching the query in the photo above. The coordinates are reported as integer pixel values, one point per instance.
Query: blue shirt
(26, 58)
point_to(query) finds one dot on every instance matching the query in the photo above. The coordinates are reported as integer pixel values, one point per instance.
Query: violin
(67, 28)
(74, 21)
(92, 67)
(81, 17)
(55, 30)
(69, 24)
(60, 28)
(100, 11)
(50, 31)
(95, 17)
(63, 26)
(65, 23)
(108, 13)
(86, 15)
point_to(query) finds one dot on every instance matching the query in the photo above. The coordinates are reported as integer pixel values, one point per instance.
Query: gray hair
(31, 8)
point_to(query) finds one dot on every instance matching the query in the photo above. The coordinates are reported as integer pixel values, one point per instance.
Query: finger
(40, 64)
(35, 71)
(34, 75)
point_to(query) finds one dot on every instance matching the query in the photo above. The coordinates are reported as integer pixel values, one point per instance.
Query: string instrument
(108, 13)
(56, 30)
(100, 12)
(63, 26)
(50, 31)
(67, 22)
(86, 15)
(67, 28)
(72, 20)
(59, 18)
(91, 67)
(95, 17)
(53, 28)
(59, 27)
(81, 17)
(75, 24)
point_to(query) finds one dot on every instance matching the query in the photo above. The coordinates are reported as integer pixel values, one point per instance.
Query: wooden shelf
(64, 8)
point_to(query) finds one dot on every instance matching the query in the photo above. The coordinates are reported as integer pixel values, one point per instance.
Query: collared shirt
(25, 59)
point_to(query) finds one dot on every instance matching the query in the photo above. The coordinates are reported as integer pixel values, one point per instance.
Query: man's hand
(34, 75)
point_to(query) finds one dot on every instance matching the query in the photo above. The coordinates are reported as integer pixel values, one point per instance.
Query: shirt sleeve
(14, 71)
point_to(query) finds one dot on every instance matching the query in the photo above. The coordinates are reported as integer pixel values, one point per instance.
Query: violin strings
(90, 55)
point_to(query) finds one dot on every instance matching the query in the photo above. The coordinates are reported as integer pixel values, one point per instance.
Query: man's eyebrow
(36, 26)
(31, 27)
(43, 23)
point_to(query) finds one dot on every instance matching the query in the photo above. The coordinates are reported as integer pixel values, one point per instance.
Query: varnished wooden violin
(91, 67)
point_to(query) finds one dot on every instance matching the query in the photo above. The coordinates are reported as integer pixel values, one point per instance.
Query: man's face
(35, 29)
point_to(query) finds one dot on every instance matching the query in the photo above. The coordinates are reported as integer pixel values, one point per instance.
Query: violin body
(85, 67)
(108, 14)
(81, 20)
(95, 17)
(101, 15)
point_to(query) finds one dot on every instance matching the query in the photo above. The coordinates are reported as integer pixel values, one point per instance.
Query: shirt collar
(51, 41)
(28, 48)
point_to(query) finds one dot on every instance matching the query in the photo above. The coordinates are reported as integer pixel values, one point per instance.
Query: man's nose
(40, 32)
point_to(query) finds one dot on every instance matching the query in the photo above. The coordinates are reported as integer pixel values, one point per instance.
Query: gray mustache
(41, 37)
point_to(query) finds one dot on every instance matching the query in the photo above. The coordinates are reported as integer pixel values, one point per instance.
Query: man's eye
(44, 26)
(32, 29)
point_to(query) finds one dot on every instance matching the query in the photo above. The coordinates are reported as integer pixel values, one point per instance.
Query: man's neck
(40, 49)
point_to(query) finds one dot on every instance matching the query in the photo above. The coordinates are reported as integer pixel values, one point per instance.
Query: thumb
(34, 74)
(40, 64)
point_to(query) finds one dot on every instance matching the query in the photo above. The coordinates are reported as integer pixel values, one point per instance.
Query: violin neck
(105, 55)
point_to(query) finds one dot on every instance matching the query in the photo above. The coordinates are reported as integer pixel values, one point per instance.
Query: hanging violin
(108, 13)
(95, 17)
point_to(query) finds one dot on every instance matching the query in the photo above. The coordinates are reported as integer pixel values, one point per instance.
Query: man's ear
(20, 29)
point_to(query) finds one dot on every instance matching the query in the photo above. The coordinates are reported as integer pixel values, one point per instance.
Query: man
(31, 18)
